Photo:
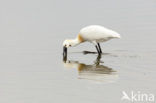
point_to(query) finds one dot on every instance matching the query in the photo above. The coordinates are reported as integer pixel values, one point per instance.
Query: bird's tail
(117, 36)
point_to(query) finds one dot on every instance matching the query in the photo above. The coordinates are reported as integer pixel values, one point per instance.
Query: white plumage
(97, 33)
(94, 34)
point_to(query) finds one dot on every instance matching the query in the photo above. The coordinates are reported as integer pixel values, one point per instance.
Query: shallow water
(32, 69)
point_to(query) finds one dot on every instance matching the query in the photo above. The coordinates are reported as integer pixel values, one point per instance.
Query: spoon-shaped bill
(64, 51)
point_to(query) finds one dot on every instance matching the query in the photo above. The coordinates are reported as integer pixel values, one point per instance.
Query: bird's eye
(69, 45)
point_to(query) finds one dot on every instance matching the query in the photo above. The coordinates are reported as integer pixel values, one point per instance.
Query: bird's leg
(99, 48)
(96, 46)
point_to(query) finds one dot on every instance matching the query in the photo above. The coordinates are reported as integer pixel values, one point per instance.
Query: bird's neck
(75, 42)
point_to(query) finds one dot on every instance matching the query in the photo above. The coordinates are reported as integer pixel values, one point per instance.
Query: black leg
(99, 48)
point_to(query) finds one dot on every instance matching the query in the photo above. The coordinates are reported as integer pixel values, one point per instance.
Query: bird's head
(66, 44)
(70, 43)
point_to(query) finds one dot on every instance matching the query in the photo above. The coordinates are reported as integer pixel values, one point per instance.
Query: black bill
(64, 51)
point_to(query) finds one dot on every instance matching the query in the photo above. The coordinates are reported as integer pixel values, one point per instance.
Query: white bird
(94, 34)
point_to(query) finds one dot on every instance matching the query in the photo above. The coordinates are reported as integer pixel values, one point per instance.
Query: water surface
(32, 69)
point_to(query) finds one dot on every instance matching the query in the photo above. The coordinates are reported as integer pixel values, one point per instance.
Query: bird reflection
(95, 71)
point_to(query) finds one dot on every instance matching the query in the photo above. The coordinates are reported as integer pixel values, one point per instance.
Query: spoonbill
(94, 34)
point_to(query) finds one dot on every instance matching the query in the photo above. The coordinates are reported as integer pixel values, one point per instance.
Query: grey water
(32, 69)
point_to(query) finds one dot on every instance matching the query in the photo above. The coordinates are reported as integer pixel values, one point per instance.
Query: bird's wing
(96, 33)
